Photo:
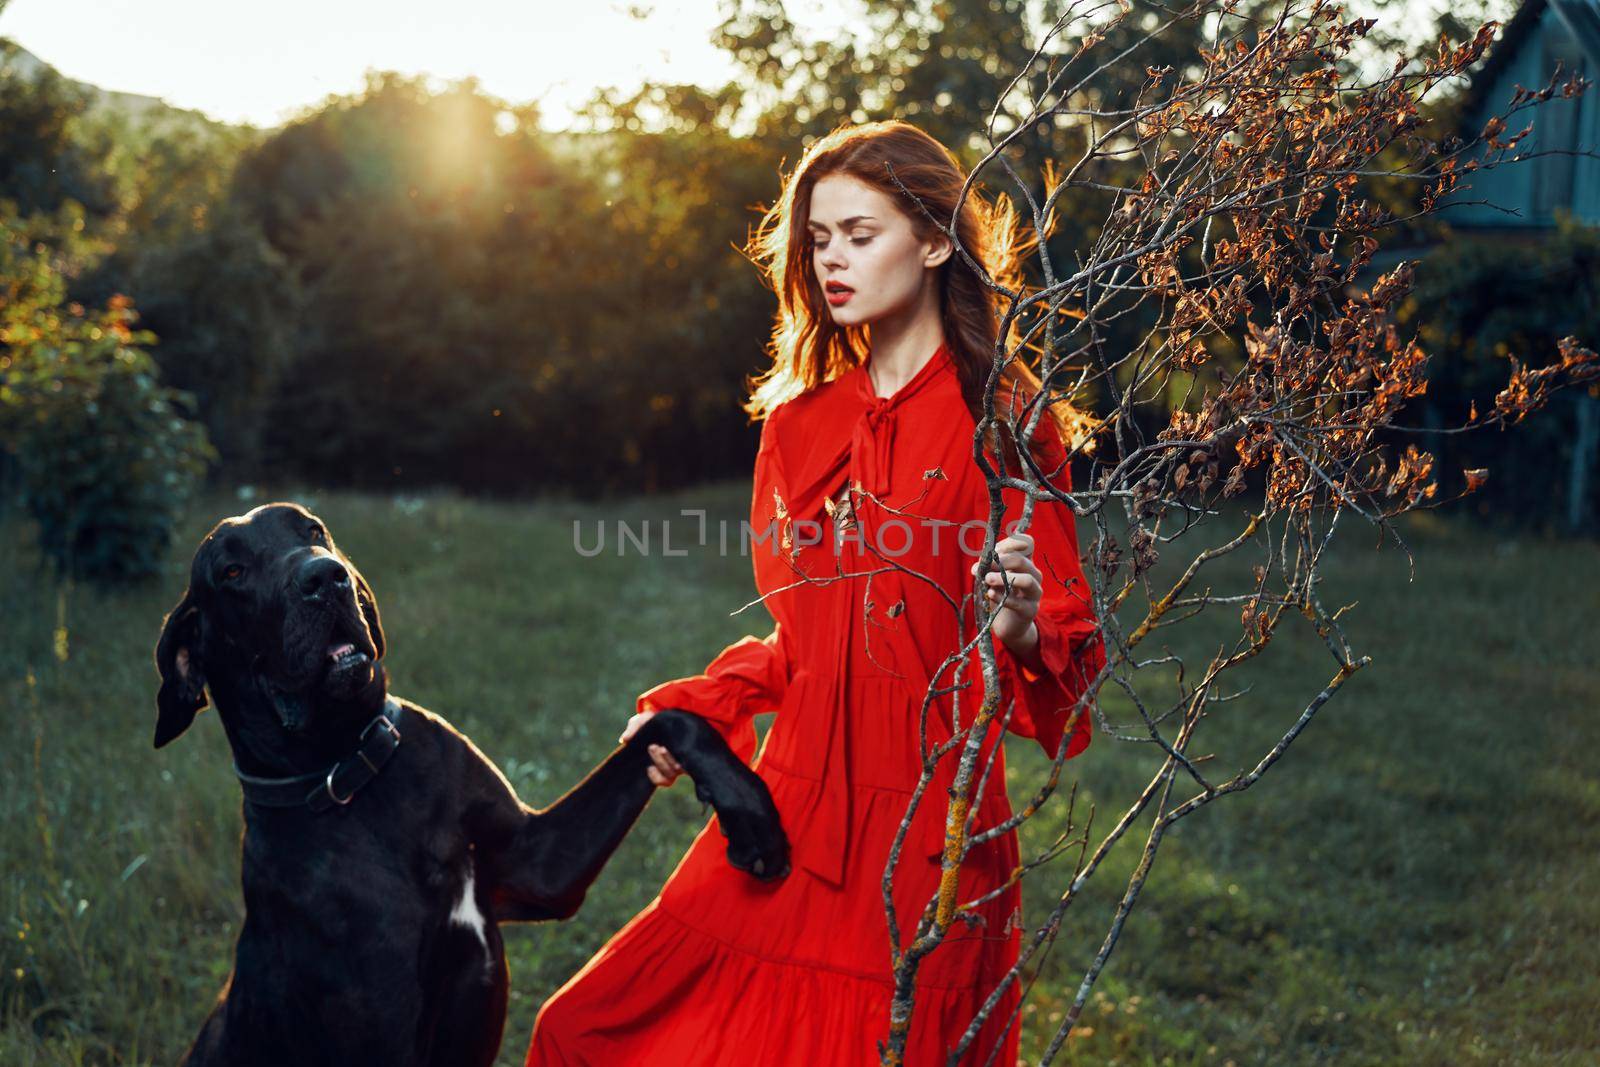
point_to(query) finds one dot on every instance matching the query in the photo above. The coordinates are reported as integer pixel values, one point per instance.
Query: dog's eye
(315, 533)
(232, 571)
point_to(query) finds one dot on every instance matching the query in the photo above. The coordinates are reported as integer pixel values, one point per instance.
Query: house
(1526, 195)
(1517, 202)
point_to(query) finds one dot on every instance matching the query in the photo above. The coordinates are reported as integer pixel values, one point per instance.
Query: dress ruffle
(690, 1000)
(681, 985)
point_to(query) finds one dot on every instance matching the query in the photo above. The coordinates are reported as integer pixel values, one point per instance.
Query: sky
(262, 63)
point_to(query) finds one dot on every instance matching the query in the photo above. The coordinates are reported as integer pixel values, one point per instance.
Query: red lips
(838, 292)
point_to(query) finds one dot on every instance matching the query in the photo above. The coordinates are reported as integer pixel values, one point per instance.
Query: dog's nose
(320, 574)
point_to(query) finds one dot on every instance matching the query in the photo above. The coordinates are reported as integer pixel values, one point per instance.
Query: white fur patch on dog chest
(466, 911)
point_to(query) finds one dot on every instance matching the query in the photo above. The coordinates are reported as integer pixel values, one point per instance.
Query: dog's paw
(757, 844)
(746, 814)
(767, 860)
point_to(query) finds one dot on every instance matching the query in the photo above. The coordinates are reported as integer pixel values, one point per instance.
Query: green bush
(1480, 302)
(103, 456)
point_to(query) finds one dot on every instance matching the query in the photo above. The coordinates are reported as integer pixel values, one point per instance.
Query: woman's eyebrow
(843, 223)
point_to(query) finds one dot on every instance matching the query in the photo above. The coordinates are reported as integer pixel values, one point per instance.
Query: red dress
(720, 968)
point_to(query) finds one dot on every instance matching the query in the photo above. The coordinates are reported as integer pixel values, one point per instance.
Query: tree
(48, 157)
(106, 456)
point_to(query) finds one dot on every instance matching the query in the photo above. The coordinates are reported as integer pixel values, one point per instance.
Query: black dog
(381, 848)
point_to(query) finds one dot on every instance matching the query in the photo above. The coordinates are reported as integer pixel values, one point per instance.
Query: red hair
(921, 176)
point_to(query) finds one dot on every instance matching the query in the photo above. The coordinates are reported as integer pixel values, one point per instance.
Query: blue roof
(1582, 17)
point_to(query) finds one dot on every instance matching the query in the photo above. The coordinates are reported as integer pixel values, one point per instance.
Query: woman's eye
(819, 246)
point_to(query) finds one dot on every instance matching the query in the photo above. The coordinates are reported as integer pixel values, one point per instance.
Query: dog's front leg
(542, 862)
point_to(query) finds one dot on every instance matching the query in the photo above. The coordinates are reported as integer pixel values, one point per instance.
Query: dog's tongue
(338, 650)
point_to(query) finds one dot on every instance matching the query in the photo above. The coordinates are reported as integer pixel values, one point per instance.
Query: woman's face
(869, 261)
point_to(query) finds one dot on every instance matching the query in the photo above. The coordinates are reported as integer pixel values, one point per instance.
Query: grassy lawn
(1414, 883)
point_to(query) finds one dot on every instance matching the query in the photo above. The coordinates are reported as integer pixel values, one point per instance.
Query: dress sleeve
(1070, 648)
(747, 678)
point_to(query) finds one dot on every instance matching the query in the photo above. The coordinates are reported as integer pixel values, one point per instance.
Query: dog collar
(340, 784)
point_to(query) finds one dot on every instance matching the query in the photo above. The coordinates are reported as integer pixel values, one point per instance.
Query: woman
(865, 482)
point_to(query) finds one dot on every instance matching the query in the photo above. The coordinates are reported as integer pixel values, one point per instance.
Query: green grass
(1412, 884)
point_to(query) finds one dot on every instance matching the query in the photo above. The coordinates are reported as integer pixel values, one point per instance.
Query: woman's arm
(1047, 637)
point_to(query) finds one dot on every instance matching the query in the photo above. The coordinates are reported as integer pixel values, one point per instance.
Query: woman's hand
(1014, 623)
(664, 770)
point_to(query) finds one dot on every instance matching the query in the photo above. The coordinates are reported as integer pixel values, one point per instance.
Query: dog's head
(279, 626)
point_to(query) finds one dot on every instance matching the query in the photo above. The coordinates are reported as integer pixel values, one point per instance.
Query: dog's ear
(369, 610)
(183, 681)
